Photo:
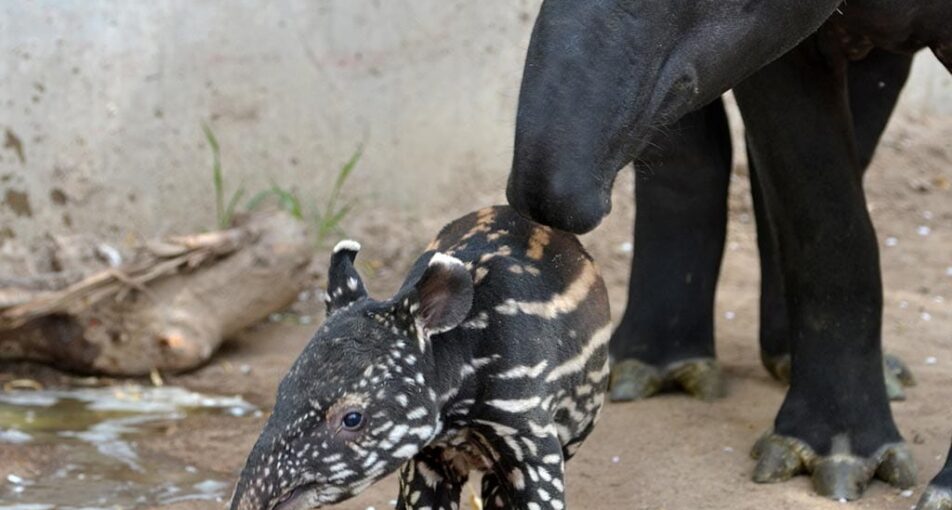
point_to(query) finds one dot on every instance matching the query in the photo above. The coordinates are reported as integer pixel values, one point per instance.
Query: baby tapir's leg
(529, 472)
(427, 482)
(493, 492)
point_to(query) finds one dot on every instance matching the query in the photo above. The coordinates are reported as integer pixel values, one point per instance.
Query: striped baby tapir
(491, 358)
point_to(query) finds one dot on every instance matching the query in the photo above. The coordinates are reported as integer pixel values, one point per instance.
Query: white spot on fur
(347, 244)
(406, 451)
(445, 260)
(578, 362)
(517, 479)
(479, 274)
(481, 321)
(524, 371)
(417, 413)
(515, 405)
(498, 428)
(397, 433)
(561, 303)
(432, 478)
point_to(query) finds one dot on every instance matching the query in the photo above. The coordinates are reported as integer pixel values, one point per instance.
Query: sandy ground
(670, 452)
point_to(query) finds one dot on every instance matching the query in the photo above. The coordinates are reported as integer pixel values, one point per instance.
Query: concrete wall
(106, 100)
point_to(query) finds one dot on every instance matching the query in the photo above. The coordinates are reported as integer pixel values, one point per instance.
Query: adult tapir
(603, 77)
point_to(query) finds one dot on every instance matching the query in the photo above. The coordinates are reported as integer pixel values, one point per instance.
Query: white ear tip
(446, 260)
(348, 245)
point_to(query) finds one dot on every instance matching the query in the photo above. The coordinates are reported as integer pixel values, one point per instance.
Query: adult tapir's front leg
(667, 331)
(874, 84)
(426, 481)
(835, 421)
(938, 495)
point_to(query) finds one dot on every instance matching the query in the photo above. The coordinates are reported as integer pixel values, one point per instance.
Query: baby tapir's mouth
(298, 498)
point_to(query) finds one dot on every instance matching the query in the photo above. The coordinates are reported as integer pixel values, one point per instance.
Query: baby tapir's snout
(491, 356)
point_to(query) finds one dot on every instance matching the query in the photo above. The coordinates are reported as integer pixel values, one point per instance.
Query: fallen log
(168, 308)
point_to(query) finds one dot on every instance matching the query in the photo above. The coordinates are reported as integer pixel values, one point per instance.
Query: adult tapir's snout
(602, 77)
(564, 198)
(571, 134)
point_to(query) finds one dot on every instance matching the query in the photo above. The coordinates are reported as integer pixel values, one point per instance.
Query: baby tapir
(491, 357)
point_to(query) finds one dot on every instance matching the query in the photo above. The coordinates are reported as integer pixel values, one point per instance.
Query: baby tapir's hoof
(633, 379)
(895, 371)
(839, 475)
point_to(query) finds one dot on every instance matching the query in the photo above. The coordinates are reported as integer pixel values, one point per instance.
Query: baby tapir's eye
(352, 420)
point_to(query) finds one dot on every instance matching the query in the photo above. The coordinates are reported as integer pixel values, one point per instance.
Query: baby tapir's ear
(444, 294)
(343, 283)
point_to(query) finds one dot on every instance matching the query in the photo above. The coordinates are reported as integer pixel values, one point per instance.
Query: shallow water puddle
(95, 431)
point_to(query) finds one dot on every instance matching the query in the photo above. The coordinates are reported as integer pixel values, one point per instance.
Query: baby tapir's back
(540, 316)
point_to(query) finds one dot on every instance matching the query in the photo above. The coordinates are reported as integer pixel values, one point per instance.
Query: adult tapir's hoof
(898, 375)
(936, 498)
(632, 379)
(895, 371)
(840, 475)
(777, 366)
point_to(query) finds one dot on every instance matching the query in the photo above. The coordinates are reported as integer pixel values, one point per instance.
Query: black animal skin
(604, 77)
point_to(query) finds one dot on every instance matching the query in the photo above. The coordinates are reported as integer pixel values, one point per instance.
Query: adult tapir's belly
(903, 26)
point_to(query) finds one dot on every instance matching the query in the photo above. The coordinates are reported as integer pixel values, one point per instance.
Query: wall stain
(13, 142)
(58, 196)
(18, 202)
(6, 233)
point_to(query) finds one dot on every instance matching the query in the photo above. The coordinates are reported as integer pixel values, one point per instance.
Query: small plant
(324, 221)
(224, 212)
(287, 200)
(328, 221)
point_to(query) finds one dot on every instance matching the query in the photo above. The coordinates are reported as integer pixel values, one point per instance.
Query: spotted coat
(492, 357)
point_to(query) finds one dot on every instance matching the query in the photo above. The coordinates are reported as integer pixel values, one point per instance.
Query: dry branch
(168, 308)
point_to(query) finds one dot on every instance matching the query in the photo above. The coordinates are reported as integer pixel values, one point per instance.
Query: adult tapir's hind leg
(938, 495)
(667, 331)
(874, 84)
(835, 421)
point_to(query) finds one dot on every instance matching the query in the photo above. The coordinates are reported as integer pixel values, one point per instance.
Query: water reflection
(100, 466)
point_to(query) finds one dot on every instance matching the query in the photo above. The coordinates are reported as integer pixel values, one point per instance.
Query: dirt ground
(669, 452)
